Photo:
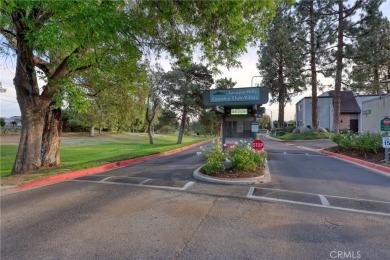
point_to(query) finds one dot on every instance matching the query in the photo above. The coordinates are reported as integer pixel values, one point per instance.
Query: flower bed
(239, 161)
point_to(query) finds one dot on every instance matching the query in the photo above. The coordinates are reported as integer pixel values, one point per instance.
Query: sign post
(385, 126)
(255, 127)
(386, 145)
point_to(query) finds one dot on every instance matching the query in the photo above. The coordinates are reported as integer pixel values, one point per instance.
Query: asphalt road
(316, 207)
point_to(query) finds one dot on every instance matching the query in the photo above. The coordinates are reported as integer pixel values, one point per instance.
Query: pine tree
(281, 61)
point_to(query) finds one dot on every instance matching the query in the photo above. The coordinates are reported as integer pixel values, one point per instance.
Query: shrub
(336, 138)
(214, 159)
(368, 142)
(244, 158)
(278, 131)
(213, 166)
(365, 142)
(308, 135)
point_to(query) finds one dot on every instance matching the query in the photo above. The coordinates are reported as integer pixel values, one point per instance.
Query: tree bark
(149, 130)
(28, 157)
(339, 68)
(281, 98)
(50, 151)
(33, 107)
(376, 81)
(313, 61)
(149, 119)
(182, 125)
(92, 131)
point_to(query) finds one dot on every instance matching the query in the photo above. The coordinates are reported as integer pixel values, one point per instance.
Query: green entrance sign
(235, 96)
(385, 124)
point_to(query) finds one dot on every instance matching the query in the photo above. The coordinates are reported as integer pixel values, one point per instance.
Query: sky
(244, 77)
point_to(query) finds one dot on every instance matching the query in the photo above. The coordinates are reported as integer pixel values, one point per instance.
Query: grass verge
(311, 135)
(79, 152)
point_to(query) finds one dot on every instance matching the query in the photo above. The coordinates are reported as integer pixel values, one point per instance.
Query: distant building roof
(348, 104)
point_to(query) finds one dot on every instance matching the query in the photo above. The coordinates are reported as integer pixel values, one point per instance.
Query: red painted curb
(82, 172)
(358, 161)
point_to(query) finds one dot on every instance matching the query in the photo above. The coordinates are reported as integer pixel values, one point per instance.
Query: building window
(300, 107)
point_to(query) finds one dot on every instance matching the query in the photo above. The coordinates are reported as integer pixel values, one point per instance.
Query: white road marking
(250, 192)
(318, 205)
(324, 201)
(188, 184)
(143, 182)
(331, 196)
(106, 178)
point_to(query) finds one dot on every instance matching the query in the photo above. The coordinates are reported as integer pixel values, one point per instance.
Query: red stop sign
(386, 121)
(258, 145)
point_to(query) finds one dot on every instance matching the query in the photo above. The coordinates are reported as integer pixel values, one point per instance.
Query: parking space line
(318, 205)
(145, 181)
(324, 201)
(325, 195)
(189, 184)
(106, 178)
(250, 192)
(186, 186)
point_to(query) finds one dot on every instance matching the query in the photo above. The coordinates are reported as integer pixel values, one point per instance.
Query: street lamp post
(253, 78)
(388, 86)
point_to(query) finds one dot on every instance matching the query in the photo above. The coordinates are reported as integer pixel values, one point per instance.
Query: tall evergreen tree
(317, 26)
(281, 61)
(347, 18)
(371, 55)
(183, 88)
(225, 83)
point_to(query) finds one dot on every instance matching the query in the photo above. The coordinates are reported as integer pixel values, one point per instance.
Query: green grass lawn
(310, 135)
(79, 152)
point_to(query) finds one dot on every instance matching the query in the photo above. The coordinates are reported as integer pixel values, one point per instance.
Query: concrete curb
(244, 181)
(357, 161)
(82, 172)
(268, 137)
(4, 190)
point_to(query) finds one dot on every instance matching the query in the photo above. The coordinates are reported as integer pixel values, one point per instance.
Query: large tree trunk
(182, 125)
(28, 157)
(51, 137)
(149, 130)
(281, 97)
(33, 109)
(377, 88)
(92, 131)
(339, 69)
(281, 109)
(314, 118)
(149, 120)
